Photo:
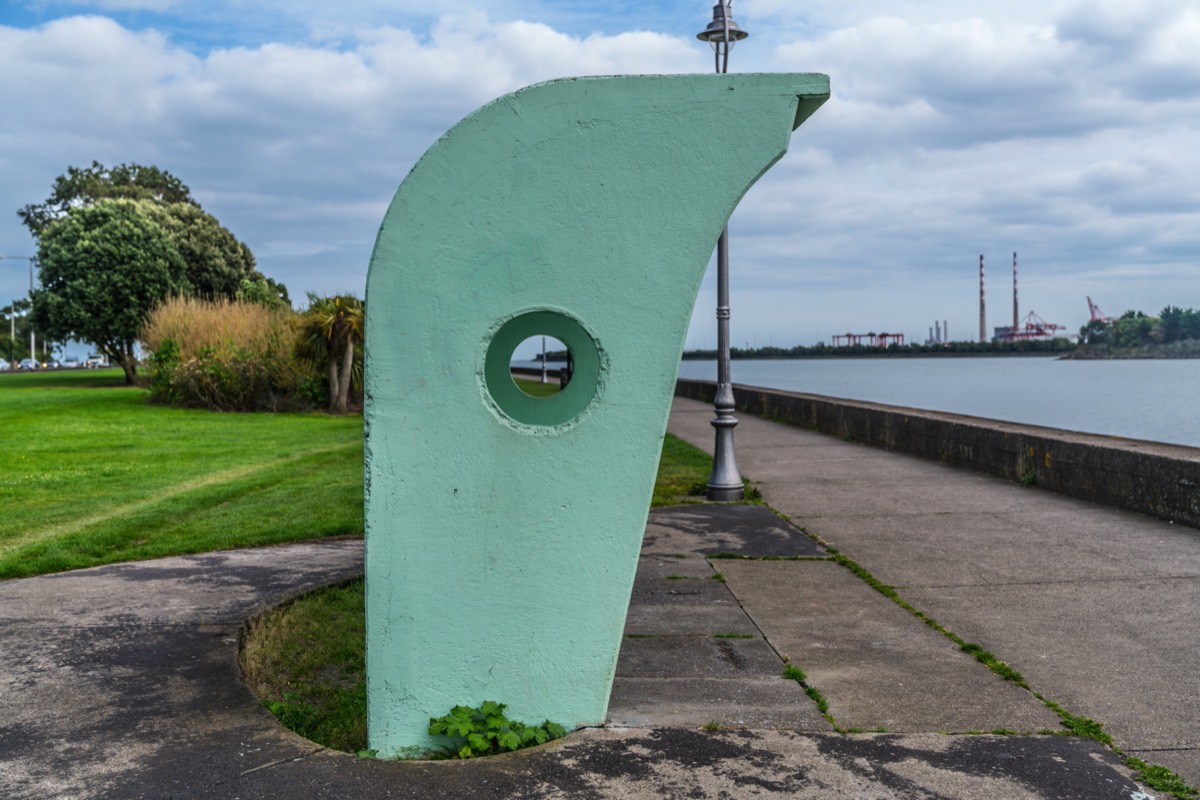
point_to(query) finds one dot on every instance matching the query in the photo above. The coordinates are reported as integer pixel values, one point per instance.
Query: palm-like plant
(329, 331)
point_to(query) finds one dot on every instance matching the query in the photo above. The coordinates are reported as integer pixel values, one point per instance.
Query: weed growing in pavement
(794, 673)
(711, 726)
(716, 576)
(485, 730)
(1161, 779)
(733, 635)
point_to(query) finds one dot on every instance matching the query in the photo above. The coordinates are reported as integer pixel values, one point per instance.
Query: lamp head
(722, 28)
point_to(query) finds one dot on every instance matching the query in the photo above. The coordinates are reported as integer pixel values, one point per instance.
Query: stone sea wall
(1160, 480)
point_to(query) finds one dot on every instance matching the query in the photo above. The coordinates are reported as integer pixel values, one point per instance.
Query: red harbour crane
(1034, 327)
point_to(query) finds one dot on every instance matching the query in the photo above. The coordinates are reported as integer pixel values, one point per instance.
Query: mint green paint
(503, 535)
(557, 409)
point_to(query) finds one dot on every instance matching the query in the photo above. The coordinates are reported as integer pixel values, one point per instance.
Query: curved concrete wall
(1161, 480)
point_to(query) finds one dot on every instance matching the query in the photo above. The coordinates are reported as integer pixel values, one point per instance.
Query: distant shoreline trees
(1027, 347)
(1175, 332)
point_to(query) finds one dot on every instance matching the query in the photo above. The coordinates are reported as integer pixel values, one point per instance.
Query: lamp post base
(725, 482)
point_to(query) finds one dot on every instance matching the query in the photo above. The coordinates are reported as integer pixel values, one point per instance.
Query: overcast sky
(1066, 132)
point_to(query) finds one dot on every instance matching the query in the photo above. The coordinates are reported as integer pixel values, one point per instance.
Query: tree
(330, 330)
(103, 268)
(265, 292)
(216, 262)
(82, 187)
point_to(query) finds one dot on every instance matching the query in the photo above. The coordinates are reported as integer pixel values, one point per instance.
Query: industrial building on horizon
(1032, 327)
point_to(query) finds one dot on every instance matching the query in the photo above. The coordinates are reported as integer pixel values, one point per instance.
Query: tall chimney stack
(1016, 315)
(982, 307)
(937, 331)
(945, 330)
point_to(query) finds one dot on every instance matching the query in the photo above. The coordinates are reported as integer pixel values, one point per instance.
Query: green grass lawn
(92, 474)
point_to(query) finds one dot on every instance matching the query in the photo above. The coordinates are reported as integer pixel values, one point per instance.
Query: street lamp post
(725, 482)
(32, 262)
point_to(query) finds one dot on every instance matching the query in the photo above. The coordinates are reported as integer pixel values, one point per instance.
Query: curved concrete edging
(1160, 480)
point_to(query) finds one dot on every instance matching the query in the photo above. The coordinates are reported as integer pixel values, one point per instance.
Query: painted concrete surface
(503, 530)
(1096, 607)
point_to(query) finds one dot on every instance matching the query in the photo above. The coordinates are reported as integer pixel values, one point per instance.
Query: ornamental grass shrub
(226, 355)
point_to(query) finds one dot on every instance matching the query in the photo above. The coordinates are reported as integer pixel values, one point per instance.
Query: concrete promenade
(122, 681)
(1098, 609)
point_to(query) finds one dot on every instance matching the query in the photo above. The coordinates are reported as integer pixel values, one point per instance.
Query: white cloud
(1065, 136)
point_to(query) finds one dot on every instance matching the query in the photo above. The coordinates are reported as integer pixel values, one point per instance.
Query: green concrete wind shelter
(502, 530)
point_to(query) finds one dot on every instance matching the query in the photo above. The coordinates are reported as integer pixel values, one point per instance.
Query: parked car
(4, 365)
(52, 363)
(71, 362)
(28, 363)
(94, 361)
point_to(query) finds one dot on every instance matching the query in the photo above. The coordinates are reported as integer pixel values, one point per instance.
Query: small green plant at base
(679, 577)
(1028, 476)
(711, 726)
(486, 731)
(733, 635)
(716, 576)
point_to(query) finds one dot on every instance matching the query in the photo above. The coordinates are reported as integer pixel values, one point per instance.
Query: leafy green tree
(216, 262)
(83, 187)
(265, 292)
(330, 332)
(103, 267)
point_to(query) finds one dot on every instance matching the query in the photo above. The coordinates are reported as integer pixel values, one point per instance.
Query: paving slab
(680, 588)
(1038, 546)
(685, 619)
(743, 530)
(876, 665)
(663, 566)
(757, 703)
(697, 657)
(1121, 652)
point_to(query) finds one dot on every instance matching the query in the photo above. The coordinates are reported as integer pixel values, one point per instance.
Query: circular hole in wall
(527, 404)
(539, 365)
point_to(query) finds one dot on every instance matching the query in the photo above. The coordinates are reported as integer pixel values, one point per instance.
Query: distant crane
(1034, 327)
(869, 339)
(1097, 314)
